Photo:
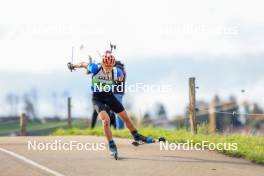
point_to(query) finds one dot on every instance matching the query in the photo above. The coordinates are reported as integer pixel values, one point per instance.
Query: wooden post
(23, 131)
(192, 106)
(212, 117)
(69, 112)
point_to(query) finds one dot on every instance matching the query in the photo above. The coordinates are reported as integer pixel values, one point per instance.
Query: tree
(12, 101)
(29, 106)
(161, 111)
(257, 109)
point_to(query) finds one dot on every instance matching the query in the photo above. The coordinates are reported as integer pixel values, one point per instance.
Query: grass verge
(38, 128)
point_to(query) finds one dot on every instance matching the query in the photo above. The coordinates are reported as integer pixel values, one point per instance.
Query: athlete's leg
(108, 133)
(127, 121)
(100, 107)
(112, 117)
(106, 124)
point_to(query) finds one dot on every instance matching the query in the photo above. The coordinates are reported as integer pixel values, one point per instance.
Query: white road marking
(31, 162)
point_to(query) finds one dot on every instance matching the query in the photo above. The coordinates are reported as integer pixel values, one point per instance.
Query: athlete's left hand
(70, 66)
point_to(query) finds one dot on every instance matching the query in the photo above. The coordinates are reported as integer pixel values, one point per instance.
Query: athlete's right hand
(70, 66)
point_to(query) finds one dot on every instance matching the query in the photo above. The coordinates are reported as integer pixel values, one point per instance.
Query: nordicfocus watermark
(59, 145)
(133, 88)
(204, 145)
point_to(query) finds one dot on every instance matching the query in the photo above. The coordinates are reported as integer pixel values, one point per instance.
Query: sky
(37, 37)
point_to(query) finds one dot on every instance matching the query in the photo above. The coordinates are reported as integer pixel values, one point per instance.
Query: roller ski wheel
(161, 139)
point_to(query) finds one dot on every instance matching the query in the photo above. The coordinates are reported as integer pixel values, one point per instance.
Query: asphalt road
(147, 160)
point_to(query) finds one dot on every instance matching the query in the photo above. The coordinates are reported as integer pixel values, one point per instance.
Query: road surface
(146, 160)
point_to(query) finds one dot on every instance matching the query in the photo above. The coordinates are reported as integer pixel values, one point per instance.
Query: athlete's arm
(80, 65)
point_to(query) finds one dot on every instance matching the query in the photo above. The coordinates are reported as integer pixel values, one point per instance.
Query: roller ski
(140, 140)
(113, 151)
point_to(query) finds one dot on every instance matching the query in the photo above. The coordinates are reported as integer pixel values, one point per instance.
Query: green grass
(249, 146)
(36, 127)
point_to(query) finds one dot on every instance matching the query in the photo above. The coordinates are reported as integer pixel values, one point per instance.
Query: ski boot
(140, 139)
